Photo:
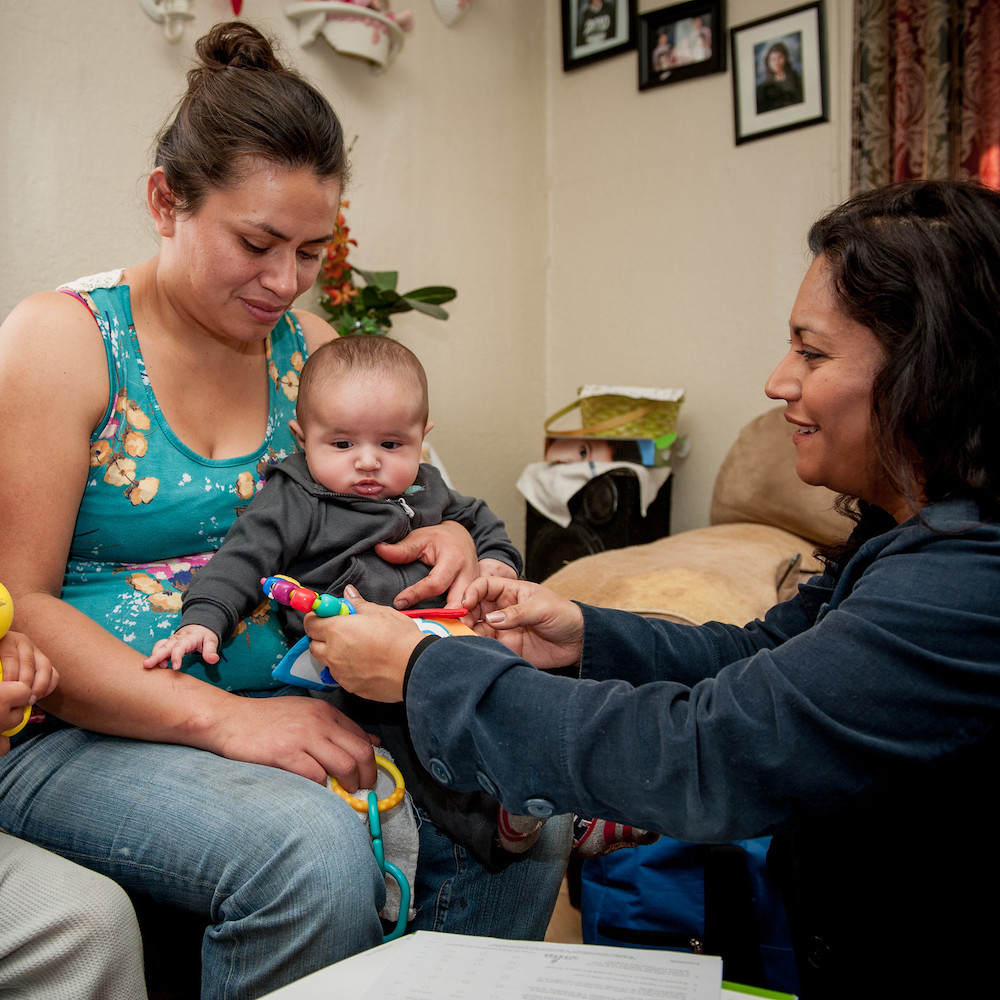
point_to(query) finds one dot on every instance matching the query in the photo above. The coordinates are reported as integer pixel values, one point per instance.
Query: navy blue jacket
(857, 723)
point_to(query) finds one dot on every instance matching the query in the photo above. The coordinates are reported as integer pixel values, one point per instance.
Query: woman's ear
(296, 428)
(160, 200)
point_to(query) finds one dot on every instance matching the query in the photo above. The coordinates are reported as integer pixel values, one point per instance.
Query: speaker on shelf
(605, 514)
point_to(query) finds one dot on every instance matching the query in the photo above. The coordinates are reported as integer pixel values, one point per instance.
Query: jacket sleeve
(720, 733)
(263, 541)
(615, 647)
(488, 532)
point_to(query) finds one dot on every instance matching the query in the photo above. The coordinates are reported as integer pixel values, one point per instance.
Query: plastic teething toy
(291, 593)
(6, 617)
(383, 804)
(300, 667)
(373, 807)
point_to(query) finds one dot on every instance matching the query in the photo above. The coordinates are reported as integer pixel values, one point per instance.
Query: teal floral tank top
(153, 511)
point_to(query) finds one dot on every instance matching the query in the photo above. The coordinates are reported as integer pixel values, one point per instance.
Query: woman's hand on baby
(449, 551)
(537, 624)
(187, 639)
(367, 653)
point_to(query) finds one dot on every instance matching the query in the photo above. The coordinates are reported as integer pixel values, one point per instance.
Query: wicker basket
(626, 413)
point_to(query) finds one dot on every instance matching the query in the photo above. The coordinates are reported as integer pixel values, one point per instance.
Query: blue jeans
(282, 869)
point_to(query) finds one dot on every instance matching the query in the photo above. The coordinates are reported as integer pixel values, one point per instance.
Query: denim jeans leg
(281, 868)
(457, 895)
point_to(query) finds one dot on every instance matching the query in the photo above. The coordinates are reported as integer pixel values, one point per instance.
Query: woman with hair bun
(175, 380)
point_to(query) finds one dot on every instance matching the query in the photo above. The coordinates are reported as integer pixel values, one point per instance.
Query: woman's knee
(313, 851)
(306, 885)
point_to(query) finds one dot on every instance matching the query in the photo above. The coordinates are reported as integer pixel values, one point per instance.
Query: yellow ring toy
(383, 804)
(6, 618)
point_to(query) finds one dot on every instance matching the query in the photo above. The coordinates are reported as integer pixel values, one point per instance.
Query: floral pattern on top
(153, 511)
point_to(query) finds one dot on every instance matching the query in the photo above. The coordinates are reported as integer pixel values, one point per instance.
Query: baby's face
(364, 436)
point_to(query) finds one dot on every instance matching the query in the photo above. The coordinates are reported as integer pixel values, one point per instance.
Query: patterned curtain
(926, 95)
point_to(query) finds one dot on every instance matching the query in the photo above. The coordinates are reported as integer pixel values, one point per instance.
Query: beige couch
(765, 525)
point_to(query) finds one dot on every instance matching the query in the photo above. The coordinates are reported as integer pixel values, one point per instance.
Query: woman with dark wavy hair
(916, 264)
(859, 722)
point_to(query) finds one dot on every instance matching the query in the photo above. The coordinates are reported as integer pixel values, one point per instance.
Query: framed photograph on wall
(779, 73)
(681, 41)
(596, 29)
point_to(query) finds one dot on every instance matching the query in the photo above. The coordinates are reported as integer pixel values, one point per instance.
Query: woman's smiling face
(826, 382)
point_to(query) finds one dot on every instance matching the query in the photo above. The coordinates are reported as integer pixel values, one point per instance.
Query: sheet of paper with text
(432, 966)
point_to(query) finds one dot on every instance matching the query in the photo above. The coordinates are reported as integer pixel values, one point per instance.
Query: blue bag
(712, 898)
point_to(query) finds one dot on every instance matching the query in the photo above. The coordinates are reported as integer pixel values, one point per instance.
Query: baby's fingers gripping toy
(300, 667)
(6, 617)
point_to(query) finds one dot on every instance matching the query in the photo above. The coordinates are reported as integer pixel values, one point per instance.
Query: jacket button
(486, 785)
(539, 808)
(440, 771)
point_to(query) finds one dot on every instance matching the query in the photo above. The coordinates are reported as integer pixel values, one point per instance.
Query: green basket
(620, 417)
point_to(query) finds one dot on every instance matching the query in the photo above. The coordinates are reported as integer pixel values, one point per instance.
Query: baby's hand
(494, 567)
(23, 661)
(187, 639)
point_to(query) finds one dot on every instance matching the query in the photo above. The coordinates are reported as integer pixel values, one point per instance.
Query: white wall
(595, 233)
(675, 254)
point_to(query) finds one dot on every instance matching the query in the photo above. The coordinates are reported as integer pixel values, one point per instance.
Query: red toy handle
(437, 612)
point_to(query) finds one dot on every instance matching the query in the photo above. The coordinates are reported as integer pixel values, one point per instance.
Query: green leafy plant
(367, 309)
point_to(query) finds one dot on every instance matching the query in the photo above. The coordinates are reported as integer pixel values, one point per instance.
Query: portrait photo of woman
(779, 77)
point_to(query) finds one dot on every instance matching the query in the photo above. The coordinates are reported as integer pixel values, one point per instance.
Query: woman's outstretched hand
(366, 653)
(536, 624)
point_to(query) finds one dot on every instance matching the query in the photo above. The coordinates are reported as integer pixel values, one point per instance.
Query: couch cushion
(757, 483)
(727, 572)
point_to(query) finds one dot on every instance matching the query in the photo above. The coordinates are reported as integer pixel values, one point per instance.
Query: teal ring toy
(388, 868)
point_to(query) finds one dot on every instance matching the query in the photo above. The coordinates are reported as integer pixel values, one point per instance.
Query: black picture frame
(588, 36)
(795, 41)
(681, 42)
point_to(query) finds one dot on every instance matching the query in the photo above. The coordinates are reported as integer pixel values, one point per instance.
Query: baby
(361, 417)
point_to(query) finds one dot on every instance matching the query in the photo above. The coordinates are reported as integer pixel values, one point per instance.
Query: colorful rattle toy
(292, 594)
(6, 617)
